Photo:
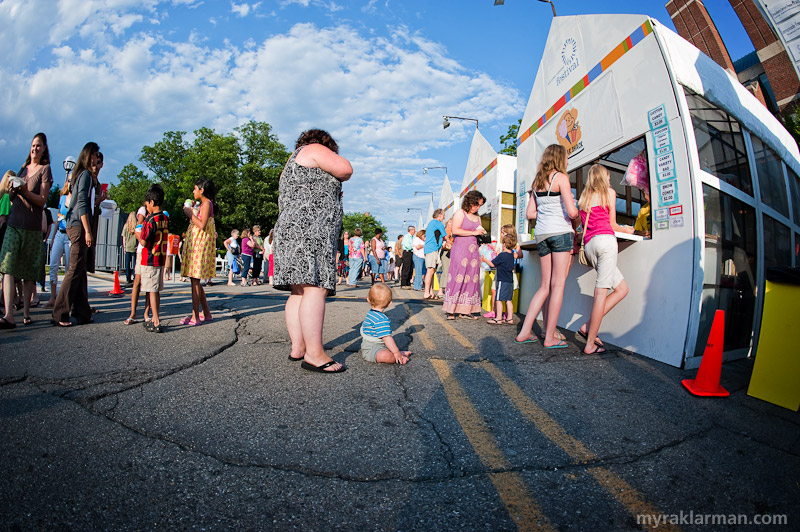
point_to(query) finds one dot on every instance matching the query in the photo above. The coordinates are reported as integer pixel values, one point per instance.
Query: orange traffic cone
(117, 291)
(706, 383)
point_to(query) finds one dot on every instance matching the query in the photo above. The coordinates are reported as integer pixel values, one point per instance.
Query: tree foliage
(791, 121)
(365, 221)
(244, 166)
(509, 140)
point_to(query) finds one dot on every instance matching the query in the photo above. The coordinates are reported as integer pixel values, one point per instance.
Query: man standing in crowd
(408, 258)
(434, 237)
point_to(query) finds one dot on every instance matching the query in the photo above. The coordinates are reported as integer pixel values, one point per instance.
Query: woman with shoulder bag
(552, 205)
(463, 297)
(74, 294)
(599, 217)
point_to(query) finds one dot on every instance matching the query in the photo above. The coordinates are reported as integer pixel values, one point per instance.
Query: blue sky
(378, 74)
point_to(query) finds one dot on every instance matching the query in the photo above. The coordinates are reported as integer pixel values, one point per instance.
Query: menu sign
(665, 160)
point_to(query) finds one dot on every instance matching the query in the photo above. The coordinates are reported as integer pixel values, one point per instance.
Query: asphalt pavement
(210, 427)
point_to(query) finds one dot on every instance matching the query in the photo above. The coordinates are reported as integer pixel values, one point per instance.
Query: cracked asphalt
(109, 427)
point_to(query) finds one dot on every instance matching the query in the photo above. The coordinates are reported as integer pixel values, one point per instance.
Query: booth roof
(699, 73)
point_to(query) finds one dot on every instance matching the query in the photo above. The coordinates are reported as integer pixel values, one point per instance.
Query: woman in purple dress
(462, 295)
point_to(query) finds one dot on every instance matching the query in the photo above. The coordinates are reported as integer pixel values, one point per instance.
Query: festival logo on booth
(568, 132)
(569, 60)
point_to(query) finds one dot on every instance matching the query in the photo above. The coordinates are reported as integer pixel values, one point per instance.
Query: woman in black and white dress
(310, 215)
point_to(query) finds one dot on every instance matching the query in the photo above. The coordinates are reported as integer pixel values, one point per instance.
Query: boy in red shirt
(153, 238)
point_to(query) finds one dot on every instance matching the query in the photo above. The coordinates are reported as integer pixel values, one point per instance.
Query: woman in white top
(419, 259)
(232, 250)
(552, 205)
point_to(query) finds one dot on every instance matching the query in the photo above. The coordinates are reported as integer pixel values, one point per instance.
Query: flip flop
(495, 322)
(130, 321)
(321, 369)
(26, 321)
(467, 317)
(451, 317)
(560, 345)
(597, 351)
(210, 318)
(531, 340)
(61, 323)
(188, 321)
(5, 324)
(597, 340)
(290, 357)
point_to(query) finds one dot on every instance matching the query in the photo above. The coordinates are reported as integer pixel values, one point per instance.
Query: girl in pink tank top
(599, 216)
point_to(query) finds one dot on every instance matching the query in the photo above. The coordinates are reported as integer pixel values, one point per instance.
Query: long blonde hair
(130, 225)
(553, 158)
(596, 184)
(66, 188)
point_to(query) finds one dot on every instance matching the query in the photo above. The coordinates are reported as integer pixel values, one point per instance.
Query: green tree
(245, 167)
(54, 196)
(129, 191)
(791, 121)
(365, 221)
(509, 140)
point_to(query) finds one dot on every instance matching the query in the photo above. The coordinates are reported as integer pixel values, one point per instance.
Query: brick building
(770, 75)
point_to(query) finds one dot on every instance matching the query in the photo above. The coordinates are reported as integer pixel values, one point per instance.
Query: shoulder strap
(555, 173)
(73, 188)
(586, 225)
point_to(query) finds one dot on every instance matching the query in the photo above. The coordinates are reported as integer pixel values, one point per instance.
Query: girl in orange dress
(198, 259)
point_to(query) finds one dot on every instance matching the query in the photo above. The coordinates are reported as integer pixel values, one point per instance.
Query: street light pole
(552, 5)
(446, 121)
(426, 168)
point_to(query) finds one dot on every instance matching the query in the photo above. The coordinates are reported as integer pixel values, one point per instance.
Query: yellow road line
(513, 491)
(418, 330)
(627, 495)
(460, 338)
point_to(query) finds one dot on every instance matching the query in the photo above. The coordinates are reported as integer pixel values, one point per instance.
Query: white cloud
(381, 97)
(244, 9)
(329, 5)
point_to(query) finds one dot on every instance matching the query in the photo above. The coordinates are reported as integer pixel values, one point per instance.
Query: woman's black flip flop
(321, 369)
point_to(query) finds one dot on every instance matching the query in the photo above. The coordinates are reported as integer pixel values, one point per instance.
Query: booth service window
(720, 143)
(630, 199)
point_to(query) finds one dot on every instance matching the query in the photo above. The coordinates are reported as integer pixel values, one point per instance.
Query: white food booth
(723, 181)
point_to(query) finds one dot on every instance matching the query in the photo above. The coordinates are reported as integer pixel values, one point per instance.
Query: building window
(777, 244)
(720, 143)
(629, 199)
(796, 250)
(730, 269)
(794, 189)
(770, 176)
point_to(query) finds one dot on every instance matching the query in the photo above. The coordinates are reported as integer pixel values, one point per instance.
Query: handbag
(582, 252)
(485, 238)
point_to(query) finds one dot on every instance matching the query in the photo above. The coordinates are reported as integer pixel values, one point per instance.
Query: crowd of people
(306, 255)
